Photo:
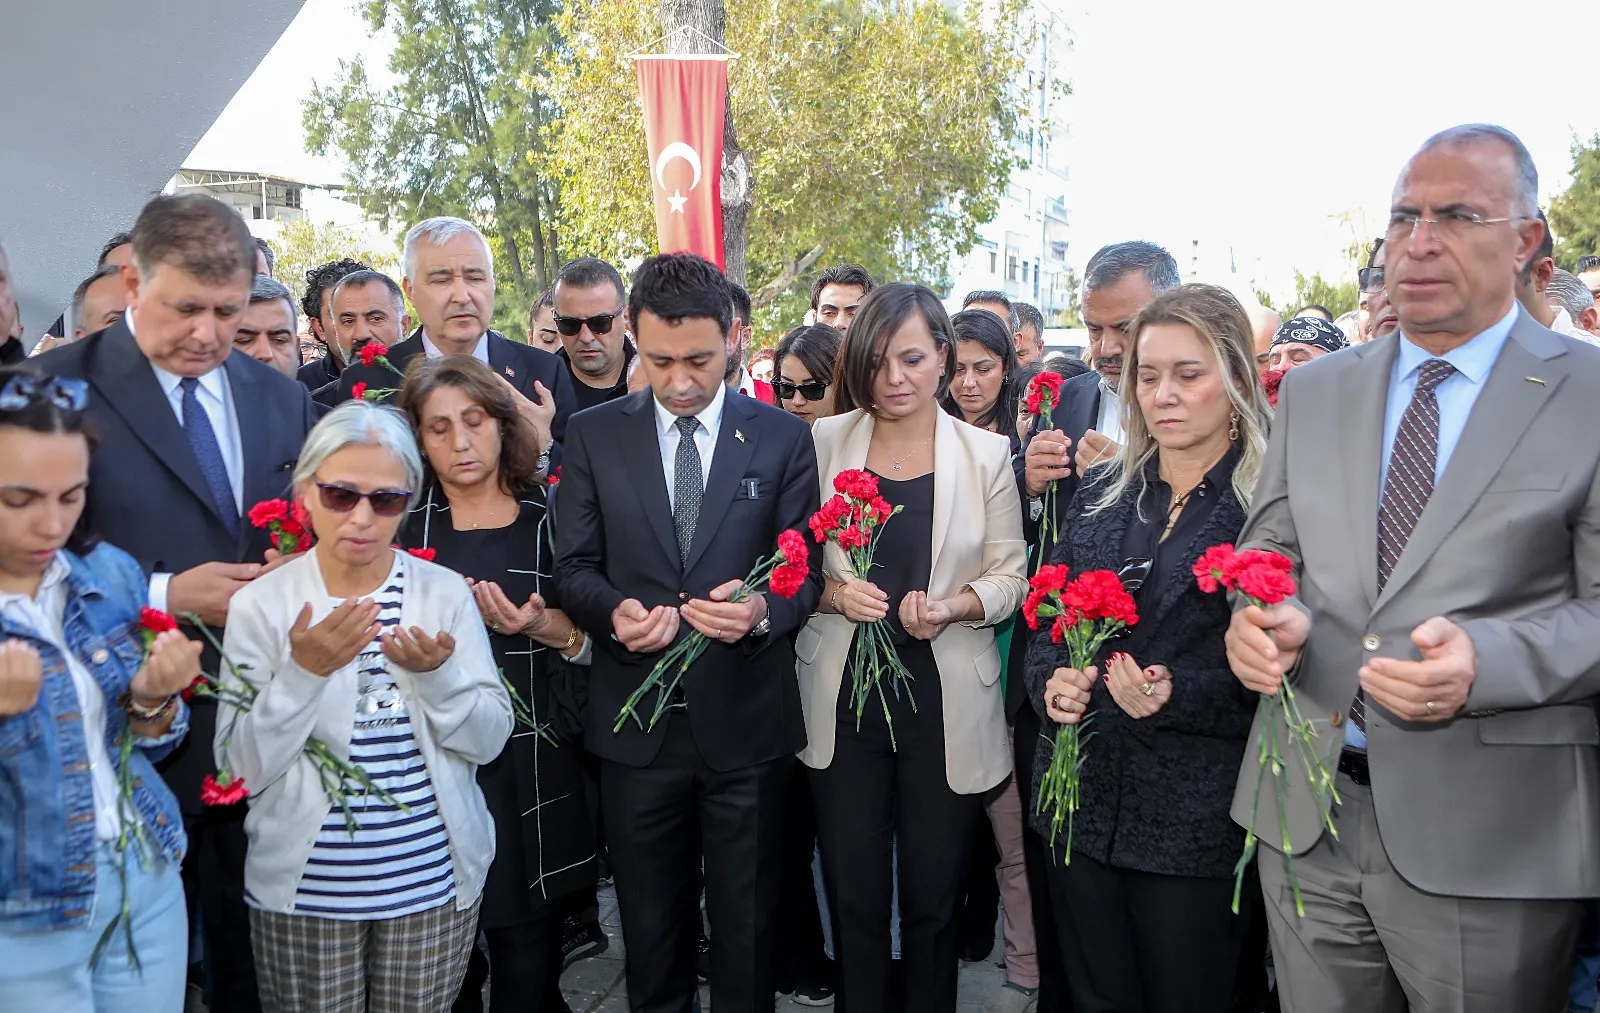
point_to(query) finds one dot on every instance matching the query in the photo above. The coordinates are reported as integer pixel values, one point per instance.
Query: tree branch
(767, 294)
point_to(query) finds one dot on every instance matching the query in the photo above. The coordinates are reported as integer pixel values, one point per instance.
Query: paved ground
(596, 986)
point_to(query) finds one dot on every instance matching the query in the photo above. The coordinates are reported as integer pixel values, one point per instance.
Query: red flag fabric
(684, 102)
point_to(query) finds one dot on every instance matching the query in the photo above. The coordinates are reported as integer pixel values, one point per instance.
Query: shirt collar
(710, 416)
(211, 383)
(54, 575)
(480, 351)
(1472, 360)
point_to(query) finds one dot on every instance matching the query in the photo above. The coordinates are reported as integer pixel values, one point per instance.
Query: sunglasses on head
(811, 390)
(600, 323)
(24, 389)
(342, 499)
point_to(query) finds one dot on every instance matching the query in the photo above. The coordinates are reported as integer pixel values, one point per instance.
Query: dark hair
(842, 274)
(81, 293)
(1111, 264)
(1372, 258)
(322, 278)
(1547, 248)
(40, 415)
(681, 286)
(867, 342)
(199, 235)
(1586, 263)
(1028, 315)
(816, 346)
(588, 272)
(1317, 307)
(1068, 366)
(990, 295)
(120, 239)
(986, 329)
(364, 277)
(741, 302)
(266, 251)
(519, 451)
(546, 301)
(266, 288)
(1022, 376)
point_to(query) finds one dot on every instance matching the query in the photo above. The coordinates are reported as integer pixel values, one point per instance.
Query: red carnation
(155, 621)
(1050, 578)
(267, 511)
(793, 546)
(359, 390)
(1214, 567)
(426, 554)
(214, 792)
(786, 581)
(1046, 385)
(198, 685)
(857, 484)
(301, 515)
(371, 351)
(555, 476)
(1264, 583)
(1271, 380)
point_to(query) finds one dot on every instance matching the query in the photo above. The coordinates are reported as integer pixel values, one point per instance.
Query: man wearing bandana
(1302, 339)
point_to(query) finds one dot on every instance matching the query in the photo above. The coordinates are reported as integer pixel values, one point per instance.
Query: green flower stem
(1060, 788)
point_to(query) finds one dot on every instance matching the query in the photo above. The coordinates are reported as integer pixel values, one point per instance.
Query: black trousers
(871, 798)
(213, 887)
(802, 958)
(1054, 996)
(659, 820)
(525, 961)
(1139, 942)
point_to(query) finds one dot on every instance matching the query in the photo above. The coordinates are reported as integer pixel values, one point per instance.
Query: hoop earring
(1233, 427)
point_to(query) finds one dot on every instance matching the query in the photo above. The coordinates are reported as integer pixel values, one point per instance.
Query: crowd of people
(315, 675)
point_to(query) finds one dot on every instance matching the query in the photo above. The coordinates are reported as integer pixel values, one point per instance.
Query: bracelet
(833, 599)
(572, 639)
(147, 715)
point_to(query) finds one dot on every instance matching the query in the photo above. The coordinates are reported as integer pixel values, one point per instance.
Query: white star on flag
(677, 200)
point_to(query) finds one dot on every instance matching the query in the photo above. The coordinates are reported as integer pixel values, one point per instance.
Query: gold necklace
(899, 461)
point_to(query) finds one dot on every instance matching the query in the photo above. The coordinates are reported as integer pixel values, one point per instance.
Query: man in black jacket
(668, 498)
(190, 435)
(318, 307)
(449, 278)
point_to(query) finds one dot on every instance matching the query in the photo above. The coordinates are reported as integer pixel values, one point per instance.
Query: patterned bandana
(1313, 331)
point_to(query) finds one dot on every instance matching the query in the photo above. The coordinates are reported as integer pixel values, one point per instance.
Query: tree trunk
(710, 18)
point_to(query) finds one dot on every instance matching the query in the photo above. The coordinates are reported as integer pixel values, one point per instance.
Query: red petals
(225, 792)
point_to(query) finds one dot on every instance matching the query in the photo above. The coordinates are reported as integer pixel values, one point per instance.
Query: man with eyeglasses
(592, 320)
(1381, 317)
(1445, 639)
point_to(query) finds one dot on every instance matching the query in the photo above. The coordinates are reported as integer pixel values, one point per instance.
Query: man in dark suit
(449, 278)
(191, 434)
(317, 304)
(668, 498)
(1119, 280)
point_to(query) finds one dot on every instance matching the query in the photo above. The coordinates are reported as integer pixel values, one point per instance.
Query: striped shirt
(397, 863)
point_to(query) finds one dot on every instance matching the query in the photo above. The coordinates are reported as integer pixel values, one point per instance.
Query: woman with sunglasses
(982, 393)
(802, 371)
(75, 678)
(1144, 903)
(383, 657)
(484, 513)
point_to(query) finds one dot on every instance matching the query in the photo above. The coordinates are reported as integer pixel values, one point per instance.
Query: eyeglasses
(600, 323)
(1371, 279)
(1135, 571)
(811, 390)
(342, 499)
(25, 389)
(1450, 225)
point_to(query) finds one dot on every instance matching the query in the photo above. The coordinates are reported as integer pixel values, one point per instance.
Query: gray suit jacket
(1504, 800)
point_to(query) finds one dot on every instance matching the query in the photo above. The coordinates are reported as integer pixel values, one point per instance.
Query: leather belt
(1353, 764)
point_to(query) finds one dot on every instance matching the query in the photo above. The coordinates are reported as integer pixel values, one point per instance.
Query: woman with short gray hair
(382, 657)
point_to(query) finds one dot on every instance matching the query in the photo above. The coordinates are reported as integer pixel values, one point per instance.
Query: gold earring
(1233, 426)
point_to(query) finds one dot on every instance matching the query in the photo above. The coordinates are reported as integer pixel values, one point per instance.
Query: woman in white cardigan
(382, 658)
(947, 569)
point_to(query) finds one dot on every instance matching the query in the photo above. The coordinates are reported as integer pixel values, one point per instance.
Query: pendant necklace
(898, 461)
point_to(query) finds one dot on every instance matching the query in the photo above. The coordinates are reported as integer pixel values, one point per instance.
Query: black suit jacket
(318, 372)
(148, 496)
(615, 540)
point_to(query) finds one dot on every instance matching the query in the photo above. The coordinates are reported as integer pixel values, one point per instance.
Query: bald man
(1264, 324)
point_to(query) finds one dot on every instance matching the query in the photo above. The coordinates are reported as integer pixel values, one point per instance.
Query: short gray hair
(81, 293)
(1113, 263)
(1028, 315)
(265, 289)
(1525, 203)
(1568, 291)
(436, 231)
(359, 423)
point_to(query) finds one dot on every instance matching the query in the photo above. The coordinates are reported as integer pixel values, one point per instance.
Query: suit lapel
(736, 445)
(124, 380)
(1083, 411)
(1363, 401)
(502, 361)
(1504, 410)
(641, 452)
(947, 462)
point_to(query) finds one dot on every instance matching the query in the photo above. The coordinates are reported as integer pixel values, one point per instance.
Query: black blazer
(147, 495)
(615, 540)
(519, 363)
(318, 372)
(1156, 792)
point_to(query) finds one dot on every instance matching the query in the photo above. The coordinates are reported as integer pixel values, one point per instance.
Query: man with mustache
(1381, 317)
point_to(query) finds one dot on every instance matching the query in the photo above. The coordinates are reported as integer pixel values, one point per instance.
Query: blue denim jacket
(47, 827)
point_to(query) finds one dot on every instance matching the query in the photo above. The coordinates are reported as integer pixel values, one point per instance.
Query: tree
(454, 134)
(1338, 298)
(1575, 215)
(302, 245)
(879, 134)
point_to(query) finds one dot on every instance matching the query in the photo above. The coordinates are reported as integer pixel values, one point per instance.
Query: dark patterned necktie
(203, 441)
(1409, 484)
(687, 486)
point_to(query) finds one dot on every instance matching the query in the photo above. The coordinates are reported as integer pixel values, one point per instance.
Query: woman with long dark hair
(982, 392)
(803, 366)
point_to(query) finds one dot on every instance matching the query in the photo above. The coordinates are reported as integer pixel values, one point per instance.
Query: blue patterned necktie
(203, 441)
(688, 486)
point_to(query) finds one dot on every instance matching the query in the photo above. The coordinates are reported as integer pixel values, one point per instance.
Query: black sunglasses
(65, 393)
(811, 390)
(600, 323)
(1371, 278)
(1135, 571)
(342, 499)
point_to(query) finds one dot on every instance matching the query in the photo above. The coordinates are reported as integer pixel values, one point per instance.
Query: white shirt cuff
(158, 590)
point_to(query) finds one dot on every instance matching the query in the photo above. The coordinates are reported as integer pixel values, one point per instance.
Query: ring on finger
(1431, 709)
(1147, 688)
(1058, 702)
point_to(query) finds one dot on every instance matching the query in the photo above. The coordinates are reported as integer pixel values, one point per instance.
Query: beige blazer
(977, 543)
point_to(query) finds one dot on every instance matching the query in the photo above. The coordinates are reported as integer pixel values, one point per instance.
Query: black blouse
(1142, 541)
(903, 559)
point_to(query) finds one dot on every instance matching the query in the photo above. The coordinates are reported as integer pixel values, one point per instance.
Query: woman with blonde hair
(1143, 900)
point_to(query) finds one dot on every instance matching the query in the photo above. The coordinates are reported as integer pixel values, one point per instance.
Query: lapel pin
(1535, 379)
(510, 371)
(738, 435)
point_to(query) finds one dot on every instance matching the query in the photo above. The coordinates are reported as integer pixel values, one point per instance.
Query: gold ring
(1147, 688)
(1430, 707)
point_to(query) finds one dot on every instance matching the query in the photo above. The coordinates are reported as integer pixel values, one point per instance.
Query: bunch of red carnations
(1044, 394)
(285, 522)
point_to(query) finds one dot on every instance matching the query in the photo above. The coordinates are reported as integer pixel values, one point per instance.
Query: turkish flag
(684, 102)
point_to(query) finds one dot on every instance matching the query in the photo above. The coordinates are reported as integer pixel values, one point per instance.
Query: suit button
(100, 657)
(683, 596)
(1371, 642)
(1337, 720)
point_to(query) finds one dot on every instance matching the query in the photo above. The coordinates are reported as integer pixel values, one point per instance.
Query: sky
(1270, 131)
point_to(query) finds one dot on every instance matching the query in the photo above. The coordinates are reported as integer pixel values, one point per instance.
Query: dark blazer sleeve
(798, 499)
(12, 351)
(560, 384)
(587, 594)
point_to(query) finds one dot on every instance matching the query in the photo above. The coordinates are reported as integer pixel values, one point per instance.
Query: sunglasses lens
(569, 326)
(388, 504)
(339, 499)
(601, 323)
(814, 391)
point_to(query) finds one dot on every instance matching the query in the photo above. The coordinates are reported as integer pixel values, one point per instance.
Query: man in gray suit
(1446, 638)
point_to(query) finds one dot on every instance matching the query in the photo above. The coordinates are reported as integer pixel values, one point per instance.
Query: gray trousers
(1370, 941)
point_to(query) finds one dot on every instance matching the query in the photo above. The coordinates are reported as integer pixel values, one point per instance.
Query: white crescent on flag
(678, 149)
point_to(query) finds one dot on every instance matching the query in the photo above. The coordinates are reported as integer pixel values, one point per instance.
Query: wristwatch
(542, 465)
(762, 628)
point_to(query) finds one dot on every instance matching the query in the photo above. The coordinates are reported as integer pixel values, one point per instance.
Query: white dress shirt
(705, 439)
(747, 383)
(216, 397)
(1109, 424)
(45, 614)
(479, 352)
